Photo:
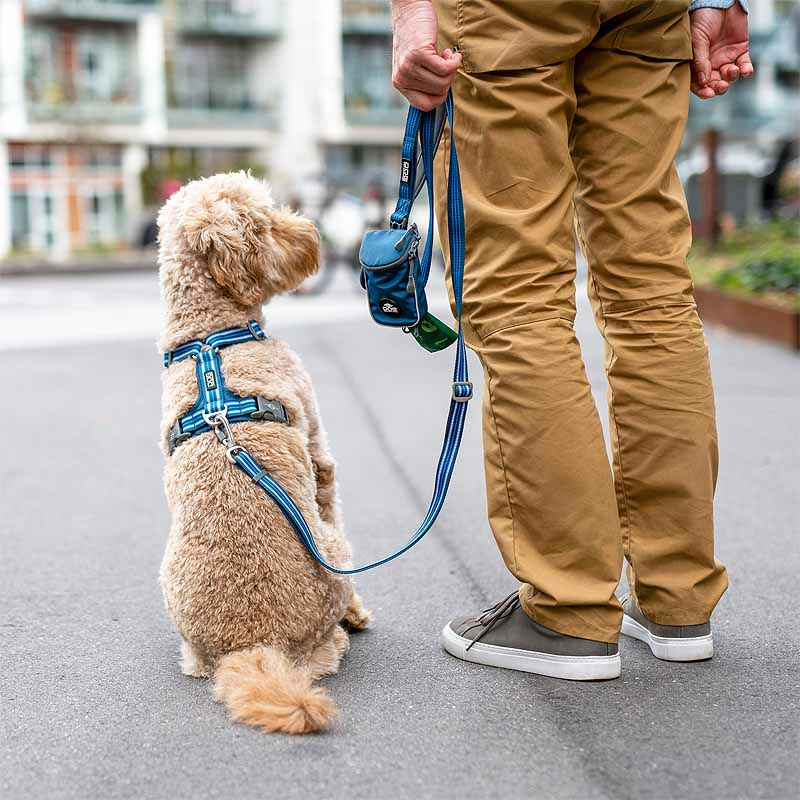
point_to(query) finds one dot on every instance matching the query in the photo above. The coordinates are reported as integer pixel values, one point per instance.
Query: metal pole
(711, 227)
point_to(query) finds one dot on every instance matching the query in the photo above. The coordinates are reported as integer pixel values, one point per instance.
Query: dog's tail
(260, 686)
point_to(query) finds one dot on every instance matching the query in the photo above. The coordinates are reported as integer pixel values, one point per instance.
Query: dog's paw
(191, 663)
(357, 617)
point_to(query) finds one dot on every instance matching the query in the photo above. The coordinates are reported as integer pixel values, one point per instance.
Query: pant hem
(556, 622)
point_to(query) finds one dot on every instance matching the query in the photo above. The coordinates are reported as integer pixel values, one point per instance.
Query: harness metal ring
(216, 418)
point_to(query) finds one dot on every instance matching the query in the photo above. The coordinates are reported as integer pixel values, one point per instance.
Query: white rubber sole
(571, 668)
(698, 648)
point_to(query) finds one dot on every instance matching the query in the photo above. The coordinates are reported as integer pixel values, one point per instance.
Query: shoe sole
(571, 668)
(697, 648)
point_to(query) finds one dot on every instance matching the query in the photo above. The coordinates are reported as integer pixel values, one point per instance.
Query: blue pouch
(392, 274)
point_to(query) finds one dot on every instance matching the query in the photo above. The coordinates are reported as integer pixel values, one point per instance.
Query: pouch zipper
(412, 231)
(409, 256)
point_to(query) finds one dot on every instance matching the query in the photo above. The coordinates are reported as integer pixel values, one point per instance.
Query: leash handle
(420, 125)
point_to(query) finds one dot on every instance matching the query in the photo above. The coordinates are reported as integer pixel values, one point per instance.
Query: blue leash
(419, 125)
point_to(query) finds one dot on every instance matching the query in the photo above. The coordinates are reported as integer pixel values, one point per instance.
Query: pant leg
(550, 491)
(635, 230)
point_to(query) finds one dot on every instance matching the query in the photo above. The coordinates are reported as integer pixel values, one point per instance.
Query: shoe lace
(489, 617)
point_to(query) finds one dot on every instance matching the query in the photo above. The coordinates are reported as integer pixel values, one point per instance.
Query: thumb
(700, 59)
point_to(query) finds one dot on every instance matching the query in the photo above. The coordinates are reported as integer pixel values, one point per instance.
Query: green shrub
(777, 273)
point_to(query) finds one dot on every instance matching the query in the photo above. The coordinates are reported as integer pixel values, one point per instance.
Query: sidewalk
(94, 706)
(93, 264)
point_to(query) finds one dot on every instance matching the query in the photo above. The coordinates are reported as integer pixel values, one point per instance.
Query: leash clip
(220, 424)
(218, 420)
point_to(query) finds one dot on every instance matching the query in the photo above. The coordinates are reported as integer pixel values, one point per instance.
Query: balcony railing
(366, 16)
(242, 18)
(104, 10)
(375, 115)
(226, 119)
(84, 113)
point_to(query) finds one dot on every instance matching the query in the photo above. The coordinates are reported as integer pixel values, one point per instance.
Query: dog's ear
(294, 255)
(230, 228)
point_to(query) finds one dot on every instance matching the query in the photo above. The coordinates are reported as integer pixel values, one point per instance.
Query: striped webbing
(422, 125)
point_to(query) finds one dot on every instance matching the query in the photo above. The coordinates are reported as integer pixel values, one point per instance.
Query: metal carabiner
(218, 421)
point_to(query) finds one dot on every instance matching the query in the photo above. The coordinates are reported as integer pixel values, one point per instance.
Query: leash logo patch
(389, 306)
(210, 378)
(405, 171)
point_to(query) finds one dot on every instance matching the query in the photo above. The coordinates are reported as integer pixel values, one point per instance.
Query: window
(367, 78)
(20, 221)
(80, 65)
(211, 75)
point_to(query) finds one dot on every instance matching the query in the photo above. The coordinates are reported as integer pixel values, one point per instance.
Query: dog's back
(235, 574)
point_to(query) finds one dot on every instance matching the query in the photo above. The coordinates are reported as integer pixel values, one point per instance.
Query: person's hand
(720, 45)
(419, 72)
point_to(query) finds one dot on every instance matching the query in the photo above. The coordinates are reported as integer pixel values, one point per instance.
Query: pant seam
(612, 413)
(503, 467)
(522, 324)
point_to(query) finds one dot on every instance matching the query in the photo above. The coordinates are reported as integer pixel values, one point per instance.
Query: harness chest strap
(213, 396)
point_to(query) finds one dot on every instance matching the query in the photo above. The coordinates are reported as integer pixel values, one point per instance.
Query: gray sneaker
(668, 642)
(505, 636)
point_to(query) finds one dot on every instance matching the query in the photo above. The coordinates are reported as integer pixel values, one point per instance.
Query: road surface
(93, 703)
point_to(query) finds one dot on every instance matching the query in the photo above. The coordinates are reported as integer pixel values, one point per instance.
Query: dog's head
(228, 224)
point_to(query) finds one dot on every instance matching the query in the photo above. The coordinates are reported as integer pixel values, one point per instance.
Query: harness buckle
(462, 398)
(176, 436)
(270, 410)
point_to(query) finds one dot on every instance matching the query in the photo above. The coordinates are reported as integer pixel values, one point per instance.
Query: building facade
(106, 104)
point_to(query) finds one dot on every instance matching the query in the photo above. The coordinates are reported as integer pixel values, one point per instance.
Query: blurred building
(758, 119)
(105, 104)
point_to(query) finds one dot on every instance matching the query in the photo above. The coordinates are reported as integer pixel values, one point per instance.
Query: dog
(254, 611)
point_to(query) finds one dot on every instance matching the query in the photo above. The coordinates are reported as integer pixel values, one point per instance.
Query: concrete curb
(134, 262)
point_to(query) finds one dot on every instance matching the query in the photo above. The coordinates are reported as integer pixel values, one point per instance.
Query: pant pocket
(658, 29)
(499, 35)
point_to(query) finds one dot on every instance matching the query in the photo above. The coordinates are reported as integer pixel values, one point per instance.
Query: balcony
(126, 11)
(363, 115)
(221, 118)
(84, 112)
(236, 18)
(217, 83)
(81, 75)
(367, 16)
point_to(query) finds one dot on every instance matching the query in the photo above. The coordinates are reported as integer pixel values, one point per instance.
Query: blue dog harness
(215, 401)
(217, 408)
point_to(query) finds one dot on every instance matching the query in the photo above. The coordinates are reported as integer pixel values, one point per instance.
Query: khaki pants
(569, 114)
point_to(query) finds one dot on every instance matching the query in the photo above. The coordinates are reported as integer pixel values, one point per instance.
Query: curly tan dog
(254, 610)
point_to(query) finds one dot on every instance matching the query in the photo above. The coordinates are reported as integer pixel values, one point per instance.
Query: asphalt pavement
(93, 705)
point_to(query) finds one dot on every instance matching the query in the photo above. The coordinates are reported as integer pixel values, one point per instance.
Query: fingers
(729, 73)
(424, 80)
(445, 65)
(703, 92)
(422, 101)
(719, 87)
(746, 68)
(424, 77)
(701, 64)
